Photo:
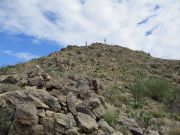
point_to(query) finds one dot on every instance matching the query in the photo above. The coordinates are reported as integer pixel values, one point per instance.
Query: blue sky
(34, 28)
(20, 48)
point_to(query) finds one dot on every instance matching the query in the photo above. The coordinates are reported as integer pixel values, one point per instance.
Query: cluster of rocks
(48, 107)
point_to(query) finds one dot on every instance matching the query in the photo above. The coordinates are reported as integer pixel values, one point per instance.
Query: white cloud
(20, 55)
(77, 21)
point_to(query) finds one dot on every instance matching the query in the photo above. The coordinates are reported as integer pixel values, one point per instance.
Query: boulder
(36, 81)
(83, 109)
(104, 126)
(52, 84)
(10, 79)
(26, 114)
(65, 120)
(131, 125)
(84, 89)
(92, 102)
(99, 111)
(86, 123)
(48, 123)
(73, 131)
(39, 97)
(71, 100)
(38, 130)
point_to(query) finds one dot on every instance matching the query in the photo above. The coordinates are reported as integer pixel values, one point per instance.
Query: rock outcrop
(46, 107)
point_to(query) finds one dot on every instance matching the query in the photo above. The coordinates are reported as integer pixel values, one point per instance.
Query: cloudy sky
(34, 28)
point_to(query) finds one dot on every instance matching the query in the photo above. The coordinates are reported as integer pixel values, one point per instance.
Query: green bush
(145, 119)
(115, 96)
(110, 117)
(158, 90)
(138, 90)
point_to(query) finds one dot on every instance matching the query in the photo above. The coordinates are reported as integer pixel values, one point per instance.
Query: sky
(34, 28)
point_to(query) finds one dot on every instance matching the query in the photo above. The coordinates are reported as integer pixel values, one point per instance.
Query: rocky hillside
(98, 89)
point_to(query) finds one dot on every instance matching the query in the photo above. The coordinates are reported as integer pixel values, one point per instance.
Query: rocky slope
(87, 90)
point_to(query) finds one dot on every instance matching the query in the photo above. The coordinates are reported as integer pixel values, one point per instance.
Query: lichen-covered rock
(104, 126)
(73, 131)
(71, 100)
(99, 111)
(86, 123)
(131, 124)
(26, 114)
(36, 81)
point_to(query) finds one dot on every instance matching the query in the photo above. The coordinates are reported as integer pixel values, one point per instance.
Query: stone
(65, 120)
(37, 130)
(117, 133)
(71, 100)
(86, 123)
(85, 110)
(73, 131)
(48, 123)
(10, 79)
(95, 84)
(41, 113)
(23, 82)
(92, 102)
(52, 84)
(26, 114)
(84, 89)
(131, 125)
(104, 126)
(99, 111)
(36, 81)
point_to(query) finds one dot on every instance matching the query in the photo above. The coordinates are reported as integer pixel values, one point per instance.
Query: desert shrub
(115, 96)
(174, 131)
(138, 90)
(110, 117)
(4, 70)
(145, 119)
(4, 122)
(158, 90)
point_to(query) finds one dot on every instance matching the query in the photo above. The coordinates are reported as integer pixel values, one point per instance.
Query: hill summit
(98, 89)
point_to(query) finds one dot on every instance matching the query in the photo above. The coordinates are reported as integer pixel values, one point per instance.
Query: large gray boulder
(86, 123)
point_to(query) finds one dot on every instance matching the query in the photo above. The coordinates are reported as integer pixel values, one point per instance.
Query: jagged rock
(62, 98)
(104, 126)
(41, 113)
(11, 79)
(38, 130)
(71, 100)
(46, 98)
(99, 111)
(23, 82)
(117, 133)
(92, 102)
(131, 125)
(86, 123)
(72, 132)
(26, 114)
(65, 120)
(48, 123)
(40, 98)
(85, 110)
(84, 89)
(36, 81)
(53, 84)
(95, 84)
